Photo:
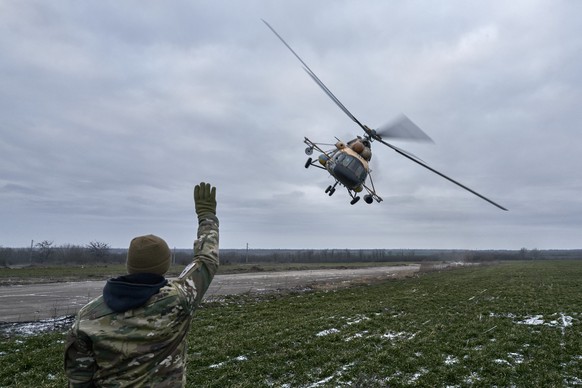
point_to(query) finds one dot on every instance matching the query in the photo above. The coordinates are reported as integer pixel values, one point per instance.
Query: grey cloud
(113, 111)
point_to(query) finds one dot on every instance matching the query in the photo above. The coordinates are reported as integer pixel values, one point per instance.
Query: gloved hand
(205, 199)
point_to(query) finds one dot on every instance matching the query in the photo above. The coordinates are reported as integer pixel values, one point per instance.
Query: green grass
(451, 328)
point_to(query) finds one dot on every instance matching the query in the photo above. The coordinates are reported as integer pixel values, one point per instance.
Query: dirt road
(48, 300)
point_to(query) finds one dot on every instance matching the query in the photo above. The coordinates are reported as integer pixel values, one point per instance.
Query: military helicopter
(348, 163)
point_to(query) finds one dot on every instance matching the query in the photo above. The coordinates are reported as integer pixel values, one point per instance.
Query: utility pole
(31, 245)
(247, 255)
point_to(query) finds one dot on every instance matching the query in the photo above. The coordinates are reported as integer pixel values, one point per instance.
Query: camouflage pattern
(146, 346)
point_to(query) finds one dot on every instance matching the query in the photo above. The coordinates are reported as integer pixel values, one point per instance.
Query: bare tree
(45, 249)
(98, 250)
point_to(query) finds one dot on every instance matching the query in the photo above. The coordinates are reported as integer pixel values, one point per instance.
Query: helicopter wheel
(309, 151)
(330, 190)
(368, 199)
(308, 163)
(354, 201)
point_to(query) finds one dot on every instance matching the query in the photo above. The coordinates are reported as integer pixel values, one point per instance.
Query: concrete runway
(24, 303)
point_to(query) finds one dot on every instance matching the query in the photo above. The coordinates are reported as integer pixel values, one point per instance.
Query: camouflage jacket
(143, 346)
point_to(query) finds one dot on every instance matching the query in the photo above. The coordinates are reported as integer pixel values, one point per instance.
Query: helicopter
(348, 163)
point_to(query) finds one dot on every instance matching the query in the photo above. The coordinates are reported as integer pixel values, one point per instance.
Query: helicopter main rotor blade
(334, 98)
(402, 128)
(406, 155)
(319, 82)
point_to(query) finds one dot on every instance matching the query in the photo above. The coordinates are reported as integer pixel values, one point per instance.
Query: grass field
(512, 324)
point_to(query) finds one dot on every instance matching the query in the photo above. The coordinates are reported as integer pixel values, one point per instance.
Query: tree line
(96, 252)
(47, 253)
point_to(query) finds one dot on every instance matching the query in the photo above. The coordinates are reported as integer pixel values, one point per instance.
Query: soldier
(135, 333)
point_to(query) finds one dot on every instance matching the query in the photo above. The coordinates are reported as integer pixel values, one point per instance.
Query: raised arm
(198, 274)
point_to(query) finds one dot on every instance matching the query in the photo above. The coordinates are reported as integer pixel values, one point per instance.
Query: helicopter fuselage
(347, 166)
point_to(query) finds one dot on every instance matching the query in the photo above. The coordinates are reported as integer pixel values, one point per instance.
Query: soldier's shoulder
(168, 297)
(176, 288)
(95, 309)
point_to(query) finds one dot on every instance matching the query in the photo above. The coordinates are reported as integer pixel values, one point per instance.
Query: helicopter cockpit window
(347, 161)
(360, 172)
(352, 164)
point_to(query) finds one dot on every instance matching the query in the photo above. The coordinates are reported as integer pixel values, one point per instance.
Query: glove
(205, 199)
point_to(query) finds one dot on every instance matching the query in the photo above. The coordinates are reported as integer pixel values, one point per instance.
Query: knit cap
(148, 254)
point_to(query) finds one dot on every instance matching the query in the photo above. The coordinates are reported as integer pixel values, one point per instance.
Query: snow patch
(221, 364)
(396, 336)
(417, 375)
(36, 327)
(327, 332)
(472, 378)
(451, 360)
(535, 320)
(509, 315)
(562, 322)
(358, 320)
(329, 378)
(357, 335)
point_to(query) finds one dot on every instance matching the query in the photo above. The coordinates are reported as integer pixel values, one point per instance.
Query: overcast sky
(112, 111)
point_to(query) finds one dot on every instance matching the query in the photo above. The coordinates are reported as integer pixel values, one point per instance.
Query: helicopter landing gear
(308, 163)
(354, 195)
(331, 189)
(368, 199)
(309, 151)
